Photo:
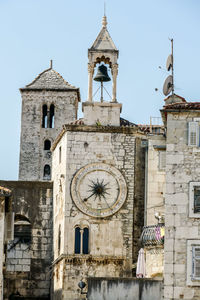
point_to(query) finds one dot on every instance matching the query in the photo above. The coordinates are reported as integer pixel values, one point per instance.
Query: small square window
(194, 199)
(193, 262)
(196, 262)
(193, 133)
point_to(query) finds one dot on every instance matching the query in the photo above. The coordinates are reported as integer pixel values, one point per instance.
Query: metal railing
(153, 235)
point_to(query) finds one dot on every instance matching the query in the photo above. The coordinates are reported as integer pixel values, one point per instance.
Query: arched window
(22, 229)
(85, 240)
(81, 240)
(77, 240)
(51, 122)
(47, 172)
(44, 116)
(47, 145)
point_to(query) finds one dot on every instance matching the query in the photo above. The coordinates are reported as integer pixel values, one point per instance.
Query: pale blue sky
(34, 31)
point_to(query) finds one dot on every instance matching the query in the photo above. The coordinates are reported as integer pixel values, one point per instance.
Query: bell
(102, 74)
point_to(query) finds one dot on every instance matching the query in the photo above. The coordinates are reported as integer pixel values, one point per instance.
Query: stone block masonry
(112, 246)
(28, 261)
(33, 156)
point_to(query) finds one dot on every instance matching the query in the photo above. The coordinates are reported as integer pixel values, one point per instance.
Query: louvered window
(196, 199)
(195, 263)
(193, 134)
(162, 160)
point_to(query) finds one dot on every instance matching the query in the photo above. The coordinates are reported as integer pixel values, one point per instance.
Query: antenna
(104, 8)
(172, 45)
(168, 86)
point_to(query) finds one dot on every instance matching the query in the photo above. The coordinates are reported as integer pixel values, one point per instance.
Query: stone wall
(111, 238)
(28, 269)
(33, 157)
(182, 167)
(2, 221)
(139, 196)
(154, 262)
(124, 288)
(155, 179)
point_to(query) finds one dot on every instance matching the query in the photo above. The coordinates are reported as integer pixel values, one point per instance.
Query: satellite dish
(169, 62)
(168, 85)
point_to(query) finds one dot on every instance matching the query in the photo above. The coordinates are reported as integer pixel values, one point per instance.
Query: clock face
(98, 190)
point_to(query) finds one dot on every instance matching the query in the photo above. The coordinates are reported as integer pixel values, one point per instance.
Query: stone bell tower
(104, 51)
(97, 212)
(48, 102)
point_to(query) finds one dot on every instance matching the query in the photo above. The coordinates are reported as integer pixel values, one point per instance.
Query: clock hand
(85, 199)
(107, 203)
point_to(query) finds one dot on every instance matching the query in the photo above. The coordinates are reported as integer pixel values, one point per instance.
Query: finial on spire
(104, 20)
(51, 64)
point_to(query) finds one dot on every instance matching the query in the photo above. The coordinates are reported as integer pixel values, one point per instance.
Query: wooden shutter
(196, 263)
(162, 160)
(196, 199)
(193, 131)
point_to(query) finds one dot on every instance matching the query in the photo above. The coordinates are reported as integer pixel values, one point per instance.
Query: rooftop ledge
(102, 104)
(79, 259)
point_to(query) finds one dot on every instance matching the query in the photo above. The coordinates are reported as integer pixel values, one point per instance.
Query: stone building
(47, 103)
(7, 229)
(29, 254)
(98, 175)
(182, 243)
(92, 191)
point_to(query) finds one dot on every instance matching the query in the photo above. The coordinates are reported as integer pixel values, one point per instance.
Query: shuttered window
(193, 134)
(196, 199)
(162, 160)
(9, 232)
(195, 263)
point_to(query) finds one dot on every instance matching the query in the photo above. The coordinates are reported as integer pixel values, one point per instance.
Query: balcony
(153, 235)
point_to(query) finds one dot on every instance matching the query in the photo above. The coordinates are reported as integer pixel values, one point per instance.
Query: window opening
(195, 263)
(47, 172)
(59, 239)
(44, 116)
(22, 229)
(47, 145)
(162, 160)
(196, 199)
(77, 240)
(85, 240)
(51, 123)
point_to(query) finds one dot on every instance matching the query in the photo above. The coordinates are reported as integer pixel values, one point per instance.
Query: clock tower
(98, 176)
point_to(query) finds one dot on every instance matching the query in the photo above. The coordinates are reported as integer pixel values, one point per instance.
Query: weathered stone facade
(47, 103)
(182, 167)
(29, 255)
(112, 245)
(6, 230)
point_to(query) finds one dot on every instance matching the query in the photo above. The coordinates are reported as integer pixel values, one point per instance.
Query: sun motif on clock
(98, 190)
